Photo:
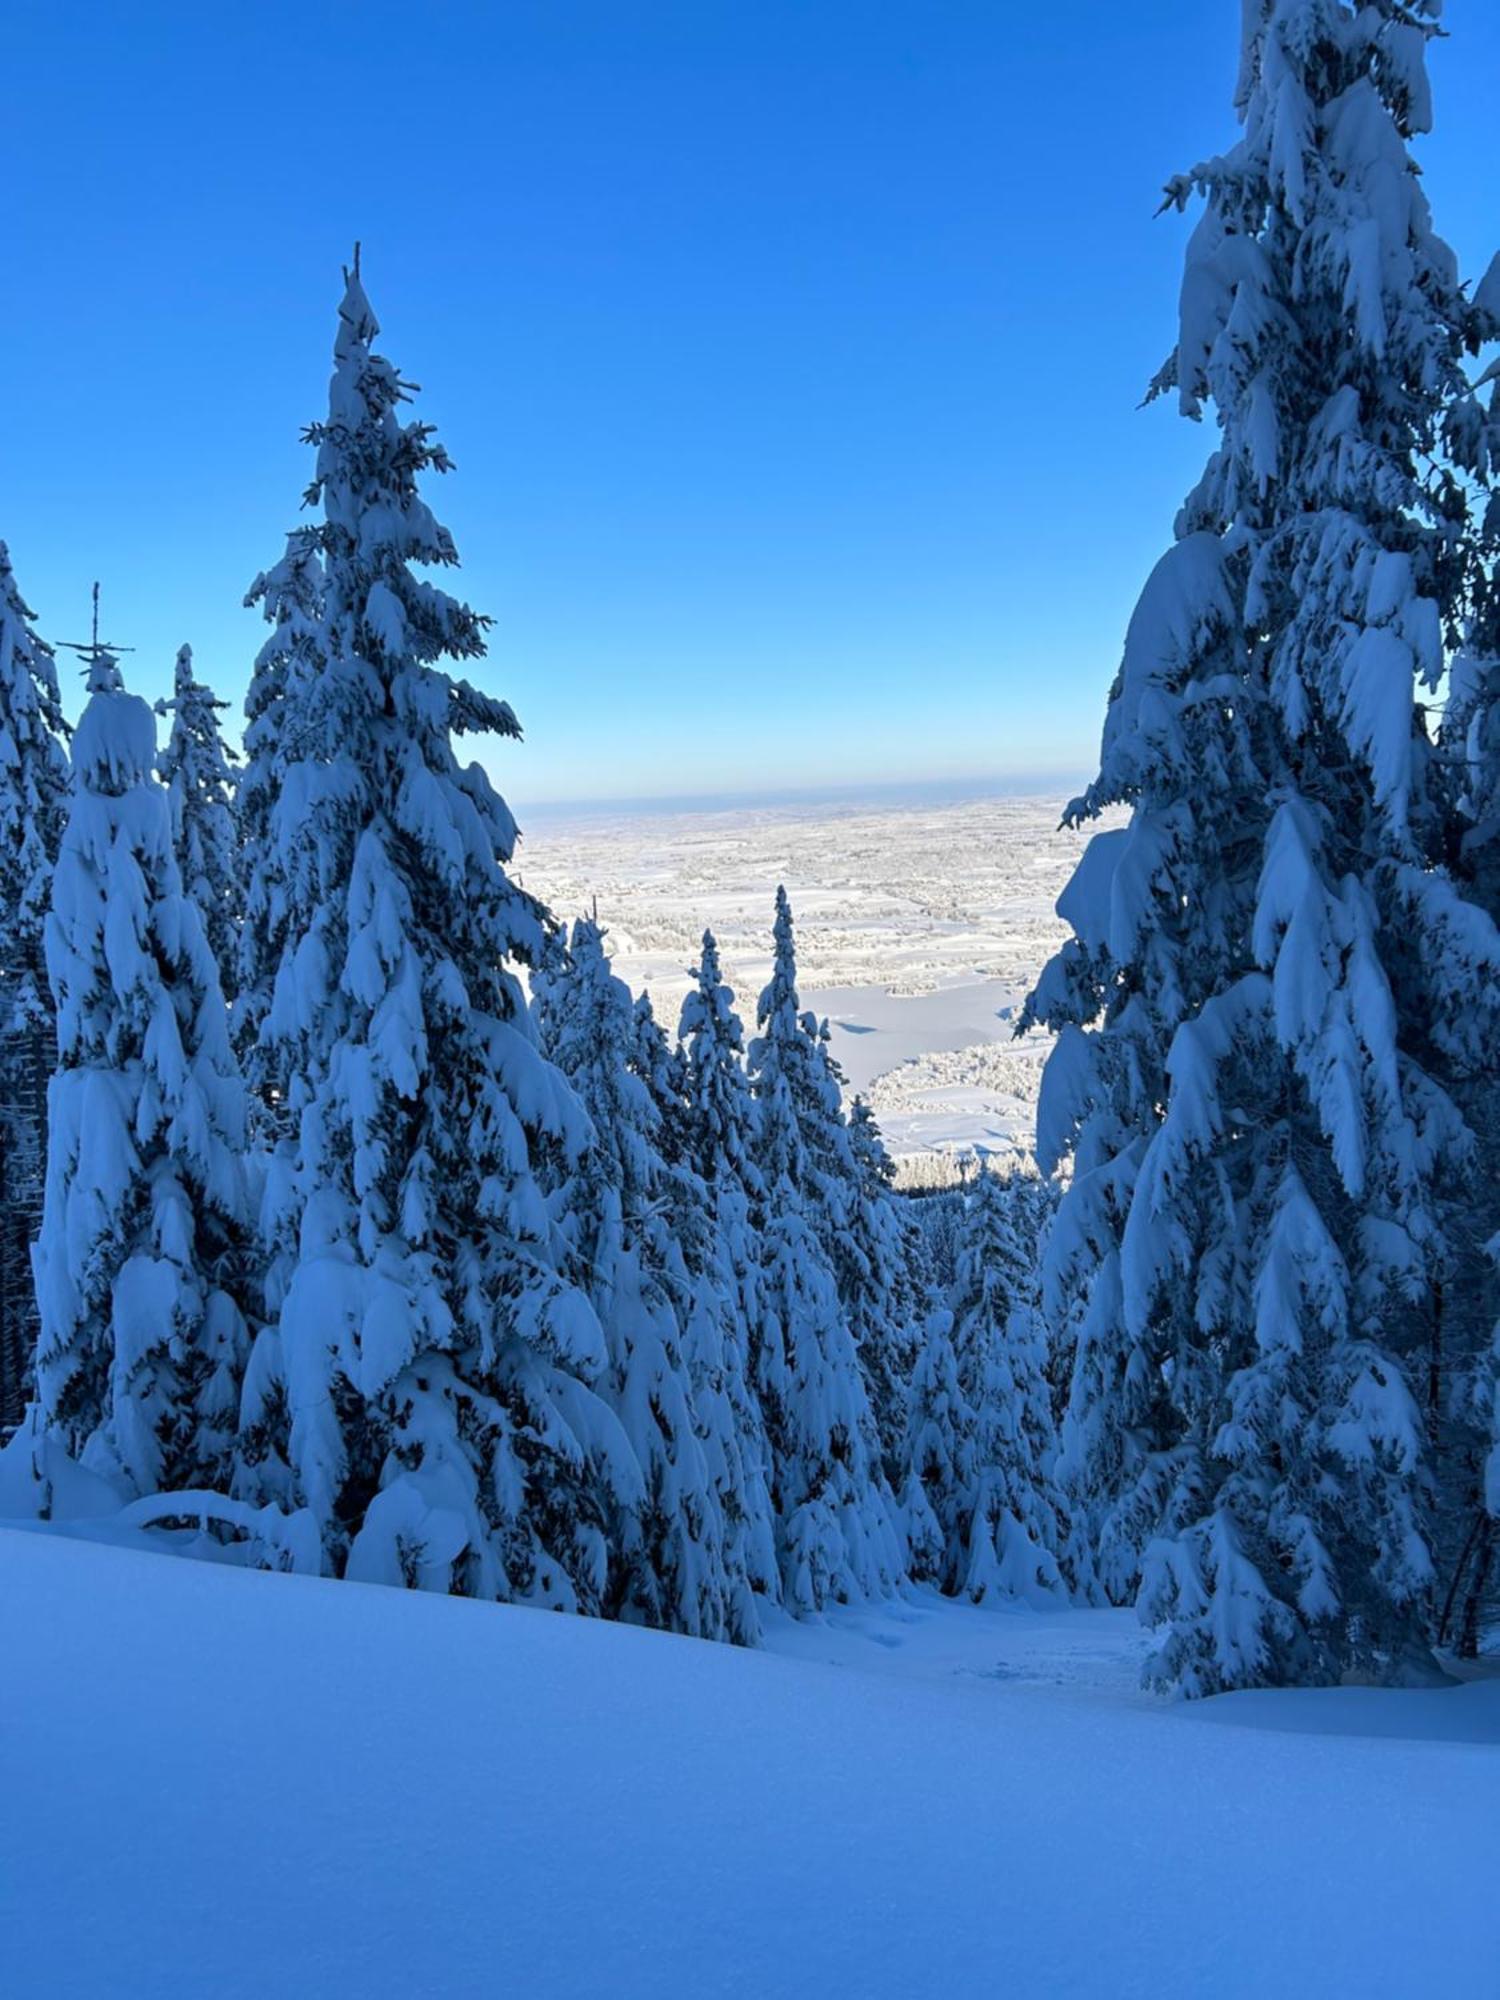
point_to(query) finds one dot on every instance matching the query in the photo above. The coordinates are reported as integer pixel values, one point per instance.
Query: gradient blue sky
(790, 354)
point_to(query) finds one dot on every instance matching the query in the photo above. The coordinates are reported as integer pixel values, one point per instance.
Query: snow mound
(239, 1783)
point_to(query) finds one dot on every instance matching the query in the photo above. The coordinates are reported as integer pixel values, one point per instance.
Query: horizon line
(1045, 782)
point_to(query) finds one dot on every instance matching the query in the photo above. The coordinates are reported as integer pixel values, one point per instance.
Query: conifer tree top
(709, 1008)
(33, 793)
(21, 646)
(114, 745)
(777, 1010)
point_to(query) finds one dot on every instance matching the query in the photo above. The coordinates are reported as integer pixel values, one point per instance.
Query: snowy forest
(360, 1221)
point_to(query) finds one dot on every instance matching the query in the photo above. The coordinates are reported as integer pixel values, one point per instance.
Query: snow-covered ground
(225, 1783)
(920, 927)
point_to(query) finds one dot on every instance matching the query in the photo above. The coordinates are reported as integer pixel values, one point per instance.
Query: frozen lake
(920, 928)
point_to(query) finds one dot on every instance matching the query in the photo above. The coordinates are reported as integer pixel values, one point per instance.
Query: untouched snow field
(225, 1783)
(920, 928)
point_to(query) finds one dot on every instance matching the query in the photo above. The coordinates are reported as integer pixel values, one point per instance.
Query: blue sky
(790, 354)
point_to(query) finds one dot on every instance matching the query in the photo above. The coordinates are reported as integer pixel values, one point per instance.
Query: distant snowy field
(920, 929)
(230, 1783)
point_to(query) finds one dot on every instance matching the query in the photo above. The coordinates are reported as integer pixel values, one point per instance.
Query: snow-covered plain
(237, 1783)
(920, 928)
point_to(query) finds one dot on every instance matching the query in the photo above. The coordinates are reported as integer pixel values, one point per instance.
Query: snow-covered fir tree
(938, 1213)
(883, 1282)
(707, 1224)
(668, 1553)
(424, 1386)
(837, 1529)
(1256, 1049)
(978, 1501)
(661, 1067)
(1011, 1529)
(938, 1489)
(143, 1237)
(284, 692)
(718, 1138)
(197, 769)
(33, 804)
(721, 1112)
(1469, 993)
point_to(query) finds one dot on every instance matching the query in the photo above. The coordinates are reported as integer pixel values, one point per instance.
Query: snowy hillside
(923, 925)
(248, 1784)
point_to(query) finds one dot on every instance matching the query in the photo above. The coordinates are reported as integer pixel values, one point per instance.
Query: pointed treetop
(188, 692)
(588, 935)
(100, 657)
(785, 938)
(358, 325)
(708, 1008)
(24, 650)
(182, 680)
(8, 580)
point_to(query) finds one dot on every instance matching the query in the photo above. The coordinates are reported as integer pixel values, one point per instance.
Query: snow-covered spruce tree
(721, 1112)
(884, 1282)
(143, 1237)
(197, 769)
(1469, 994)
(718, 1155)
(836, 1525)
(1470, 730)
(660, 1067)
(285, 688)
(978, 1498)
(938, 1212)
(706, 1227)
(33, 804)
(1250, 1074)
(424, 1385)
(681, 1202)
(938, 1490)
(668, 1558)
(1011, 1531)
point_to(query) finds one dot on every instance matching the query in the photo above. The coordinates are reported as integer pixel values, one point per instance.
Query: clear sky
(789, 354)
